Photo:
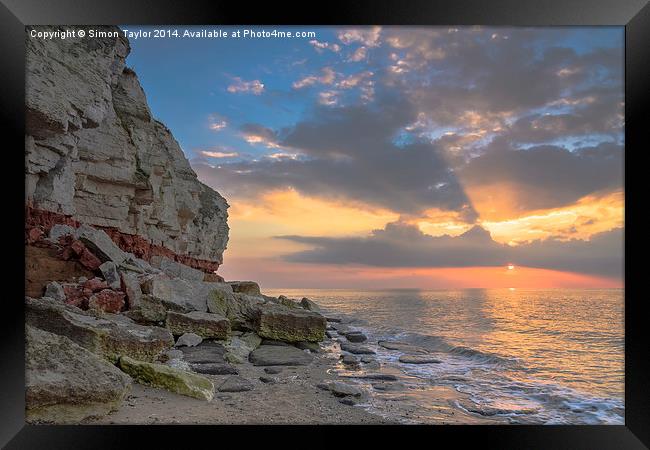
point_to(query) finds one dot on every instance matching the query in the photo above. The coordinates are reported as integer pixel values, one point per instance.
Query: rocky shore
(127, 320)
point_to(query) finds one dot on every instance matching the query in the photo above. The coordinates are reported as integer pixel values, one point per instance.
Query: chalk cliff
(95, 155)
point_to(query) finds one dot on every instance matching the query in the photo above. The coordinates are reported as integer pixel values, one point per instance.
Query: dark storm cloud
(403, 245)
(349, 153)
(550, 176)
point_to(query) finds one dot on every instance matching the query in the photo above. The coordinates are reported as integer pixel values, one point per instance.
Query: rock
(65, 383)
(377, 376)
(343, 390)
(169, 378)
(188, 340)
(309, 305)
(58, 231)
(269, 380)
(206, 325)
(240, 309)
(311, 346)
(131, 286)
(370, 363)
(207, 352)
(273, 370)
(95, 284)
(178, 363)
(284, 301)
(111, 275)
(388, 387)
(95, 152)
(171, 354)
(274, 342)
(213, 277)
(107, 301)
(235, 383)
(214, 369)
(109, 336)
(239, 347)
(177, 270)
(291, 325)
(55, 291)
(182, 295)
(418, 359)
(331, 334)
(356, 337)
(404, 347)
(356, 349)
(245, 287)
(347, 401)
(349, 360)
(333, 319)
(100, 244)
(272, 355)
(76, 295)
(149, 311)
(43, 265)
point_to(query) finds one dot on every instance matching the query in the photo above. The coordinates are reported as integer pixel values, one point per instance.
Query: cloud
(403, 245)
(367, 36)
(255, 86)
(216, 122)
(359, 54)
(320, 46)
(217, 154)
(327, 77)
(259, 134)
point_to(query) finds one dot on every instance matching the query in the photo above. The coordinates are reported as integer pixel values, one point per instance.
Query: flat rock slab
(273, 355)
(356, 349)
(289, 324)
(206, 325)
(236, 383)
(214, 369)
(205, 353)
(245, 287)
(110, 336)
(65, 383)
(377, 376)
(170, 378)
(404, 347)
(184, 295)
(418, 359)
(356, 337)
(100, 244)
(344, 390)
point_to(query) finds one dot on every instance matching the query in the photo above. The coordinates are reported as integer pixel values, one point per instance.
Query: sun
(511, 267)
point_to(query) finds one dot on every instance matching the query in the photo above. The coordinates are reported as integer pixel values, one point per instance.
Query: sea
(515, 356)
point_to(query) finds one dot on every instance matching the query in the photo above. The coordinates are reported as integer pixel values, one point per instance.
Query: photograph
(380, 224)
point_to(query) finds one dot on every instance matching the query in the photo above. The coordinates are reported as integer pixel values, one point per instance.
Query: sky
(405, 157)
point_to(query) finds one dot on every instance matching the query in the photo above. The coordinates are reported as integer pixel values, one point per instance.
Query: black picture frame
(634, 15)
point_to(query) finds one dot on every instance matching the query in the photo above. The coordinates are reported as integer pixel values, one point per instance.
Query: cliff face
(95, 154)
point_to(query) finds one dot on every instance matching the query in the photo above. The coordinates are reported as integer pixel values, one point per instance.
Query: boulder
(182, 295)
(109, 336)
(418, 359)
(188, 340)
(240, 309)
(350, 360)
(55, 291)
(235, 383)
(287, 324)
(214, 368)
(169, 378)
(356, 337)
(149, 311)
(94, 284)
(272, 355)
(206, 325)
(339, 389)
(245, 287)
(100, 244)
(356, 349)
(111, 275)
(131, 286)
(177, 270)
(107, 300)
(65, 383)
(212, 277)
(269, 380)
(309, 305)
(207, 352)
(239, 347)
